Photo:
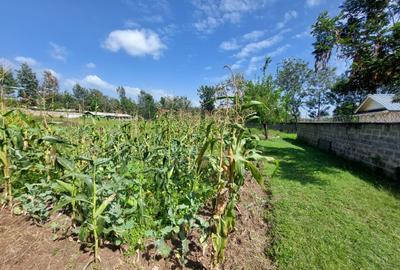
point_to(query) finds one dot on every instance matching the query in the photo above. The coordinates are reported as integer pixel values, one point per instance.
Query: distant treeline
(22, 88)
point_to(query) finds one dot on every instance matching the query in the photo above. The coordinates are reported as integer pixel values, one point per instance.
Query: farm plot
(132, 183)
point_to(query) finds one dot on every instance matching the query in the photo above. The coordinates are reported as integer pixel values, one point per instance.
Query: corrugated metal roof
(386, 100)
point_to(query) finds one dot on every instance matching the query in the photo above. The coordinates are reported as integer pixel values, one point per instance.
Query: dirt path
(24, 245)
(249, 242)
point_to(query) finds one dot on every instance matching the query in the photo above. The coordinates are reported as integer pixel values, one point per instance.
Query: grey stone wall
(287, 128)
(374, 144)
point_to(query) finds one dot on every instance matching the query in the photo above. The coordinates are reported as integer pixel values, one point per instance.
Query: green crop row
(127, 182)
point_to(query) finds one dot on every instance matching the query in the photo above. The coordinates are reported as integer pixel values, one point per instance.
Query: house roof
(378, 102)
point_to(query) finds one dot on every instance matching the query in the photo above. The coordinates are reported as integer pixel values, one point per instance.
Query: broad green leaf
(255, 173)
(53, 139)
(103, 206)
(101, 161)
(201, 154)
(8, 113)
(61, 204)
(252, 104)
(66, 186)
(67, 164)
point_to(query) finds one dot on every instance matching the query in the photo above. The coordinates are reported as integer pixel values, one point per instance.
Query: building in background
(379, 108)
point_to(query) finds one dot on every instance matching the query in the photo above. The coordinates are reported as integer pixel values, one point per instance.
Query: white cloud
(259, 45)
(208, 68)
(168, 31)
(28, 60)
(90, 65)
(131, 24)
(210, 14)
(278, 51)
(237, 64)
(235, 44)
(135, 42)
(148, 8)
(256, 62)
(253, 35)
(230, 45)
(208, 25)
(240, 5)
(96, 82)
(313, 3)
(158, 93)
(58, 52)
(132, 91)
(69, 83)
(305, 33)
(289, 15)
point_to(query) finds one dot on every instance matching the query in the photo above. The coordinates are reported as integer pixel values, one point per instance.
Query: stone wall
(287, 128)
(375, 144)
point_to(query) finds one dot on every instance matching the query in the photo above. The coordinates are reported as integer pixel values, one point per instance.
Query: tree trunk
(265, 130)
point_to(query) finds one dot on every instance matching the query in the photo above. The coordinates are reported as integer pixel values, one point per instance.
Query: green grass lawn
(329, 213)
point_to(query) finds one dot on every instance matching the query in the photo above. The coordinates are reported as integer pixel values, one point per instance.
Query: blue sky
(163, 47)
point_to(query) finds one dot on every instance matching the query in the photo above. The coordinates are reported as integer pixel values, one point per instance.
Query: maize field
(131, 182)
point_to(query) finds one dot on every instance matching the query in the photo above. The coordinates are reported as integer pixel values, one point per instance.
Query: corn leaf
(67, 164)
(103, 206)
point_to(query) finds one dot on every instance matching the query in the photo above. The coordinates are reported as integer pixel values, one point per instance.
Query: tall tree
(7, 81)
(127, 104)
(65, 100)
(121, 92)
(96, 101)
(366, 33)
(319, 95)
(293, 77)
(7, 84)
(146, 105)
(49, 88)
(81, 94)
(28, 84)
(175, 103)
(265, 91)
(346, 98)
(207, 97)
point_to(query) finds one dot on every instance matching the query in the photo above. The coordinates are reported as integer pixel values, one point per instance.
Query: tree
(112, 105)
(293, 77)
(176, 103)
(121, 92)
(81, 94)
(265, 91)
(96, 101)
(127, 104)
(7, 84)
(146, 105)
(319, 97)
(65, 100)
(366, 33)
(346, 98)
(28, 84)
(207, 97)
(7, 81)
(48, 89)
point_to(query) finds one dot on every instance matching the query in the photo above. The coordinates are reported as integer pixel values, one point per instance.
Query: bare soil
(24, 245)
